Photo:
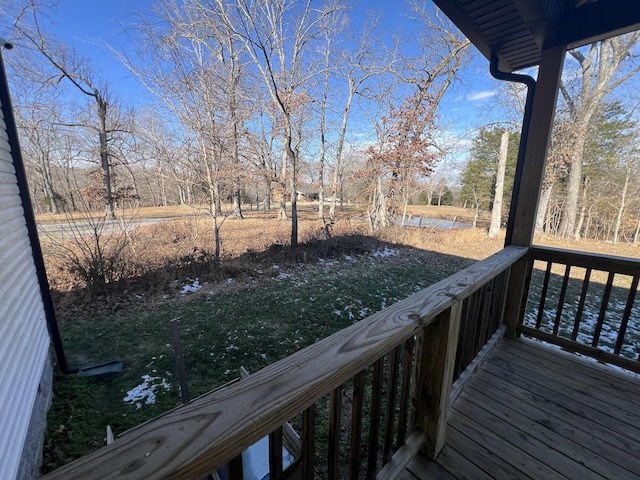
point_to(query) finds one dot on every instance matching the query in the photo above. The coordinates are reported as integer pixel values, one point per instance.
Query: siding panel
(24, 340)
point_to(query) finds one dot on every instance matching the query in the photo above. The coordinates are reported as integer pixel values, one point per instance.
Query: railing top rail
(595, 261)
(192, 440)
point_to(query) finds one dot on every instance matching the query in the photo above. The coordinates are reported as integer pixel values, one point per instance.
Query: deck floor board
(535, 412)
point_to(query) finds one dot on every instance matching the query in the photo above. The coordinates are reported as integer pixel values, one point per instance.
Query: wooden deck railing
(585, 303)
(385, 382)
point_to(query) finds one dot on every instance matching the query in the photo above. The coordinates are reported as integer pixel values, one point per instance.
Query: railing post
(517, 293)
(435, 360)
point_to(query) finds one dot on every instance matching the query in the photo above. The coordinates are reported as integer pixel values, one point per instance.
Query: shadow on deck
(532, 411)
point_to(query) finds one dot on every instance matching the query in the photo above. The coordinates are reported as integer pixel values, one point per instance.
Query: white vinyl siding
(24, 340)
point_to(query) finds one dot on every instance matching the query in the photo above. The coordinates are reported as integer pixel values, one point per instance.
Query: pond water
(438, 223)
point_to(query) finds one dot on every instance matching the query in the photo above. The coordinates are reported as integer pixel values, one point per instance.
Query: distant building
(308, 194)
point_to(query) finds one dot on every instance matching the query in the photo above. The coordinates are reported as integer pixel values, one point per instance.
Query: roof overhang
(518, 30)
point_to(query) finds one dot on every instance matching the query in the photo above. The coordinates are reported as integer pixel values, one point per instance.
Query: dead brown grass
(162, 255)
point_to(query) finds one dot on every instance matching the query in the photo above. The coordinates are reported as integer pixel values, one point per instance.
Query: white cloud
(481, 95)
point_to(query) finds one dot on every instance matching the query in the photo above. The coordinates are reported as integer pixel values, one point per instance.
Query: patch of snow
(348, 257)
(263, 355)
(282, 276)
(230, 280)
(276, 267)
(387, 252)
(146, 391)
(337, 312)
(194, 287)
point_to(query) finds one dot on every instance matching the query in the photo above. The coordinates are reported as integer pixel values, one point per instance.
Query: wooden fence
(387, 381)
(585, 303)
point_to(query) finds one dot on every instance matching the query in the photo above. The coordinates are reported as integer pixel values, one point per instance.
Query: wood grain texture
(435, 360)
(537, 141)
(595, 261)
(374, 419)
(308, 441)
(535, 412)
(476, 364)
(356, 425)
(275, 454)
(627, 313)
(405, 389)
(402, 457)
(517, 293)
(196, 438)
(335, 413)
(605, 357)
(390, 415)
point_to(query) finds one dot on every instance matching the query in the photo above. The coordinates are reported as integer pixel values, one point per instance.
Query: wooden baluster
(309, 442)
(472, 325)
(275, 454)
(335, 411)
(498, 300)
(356, 425)
(563, 293)
(583, 299)
(462, 336)
(435, 356)
(234, 469)
(483, 327)
(407, 367)
(603, 309)
(374, 425)
(627, 313)
(392, 390)
(543, 295)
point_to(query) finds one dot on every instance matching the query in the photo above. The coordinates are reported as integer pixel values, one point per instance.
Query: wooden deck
(535, 412)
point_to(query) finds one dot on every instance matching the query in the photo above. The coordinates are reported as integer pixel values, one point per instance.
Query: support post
(435, 361)
(533, 170)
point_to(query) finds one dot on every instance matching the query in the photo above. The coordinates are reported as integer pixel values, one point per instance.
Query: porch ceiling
(518, 30)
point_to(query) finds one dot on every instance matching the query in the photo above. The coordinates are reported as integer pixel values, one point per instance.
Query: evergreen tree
(479, 176)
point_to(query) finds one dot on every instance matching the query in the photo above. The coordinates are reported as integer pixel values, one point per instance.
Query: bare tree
(404, 153)
(71, 66)
(278, 36)
(37, 113)
(600, 71)
(356, 67)
(190, 60)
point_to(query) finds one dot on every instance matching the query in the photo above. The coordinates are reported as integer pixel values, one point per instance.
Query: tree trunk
(336, 184)
(621, 207)
(574, 181)
(583, 208)
(496, 212)
(104, 156)
(378, 213)
(543, 207)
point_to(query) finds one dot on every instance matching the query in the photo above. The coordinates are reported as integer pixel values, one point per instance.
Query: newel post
(435, 359)
(532, 174)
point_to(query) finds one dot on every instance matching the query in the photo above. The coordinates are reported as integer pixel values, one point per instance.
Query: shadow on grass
(266, 308)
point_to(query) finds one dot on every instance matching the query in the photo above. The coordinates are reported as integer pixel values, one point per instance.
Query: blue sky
(88, 26)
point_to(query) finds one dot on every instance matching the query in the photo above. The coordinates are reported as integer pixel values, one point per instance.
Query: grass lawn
(241, 323)
(259, 305)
